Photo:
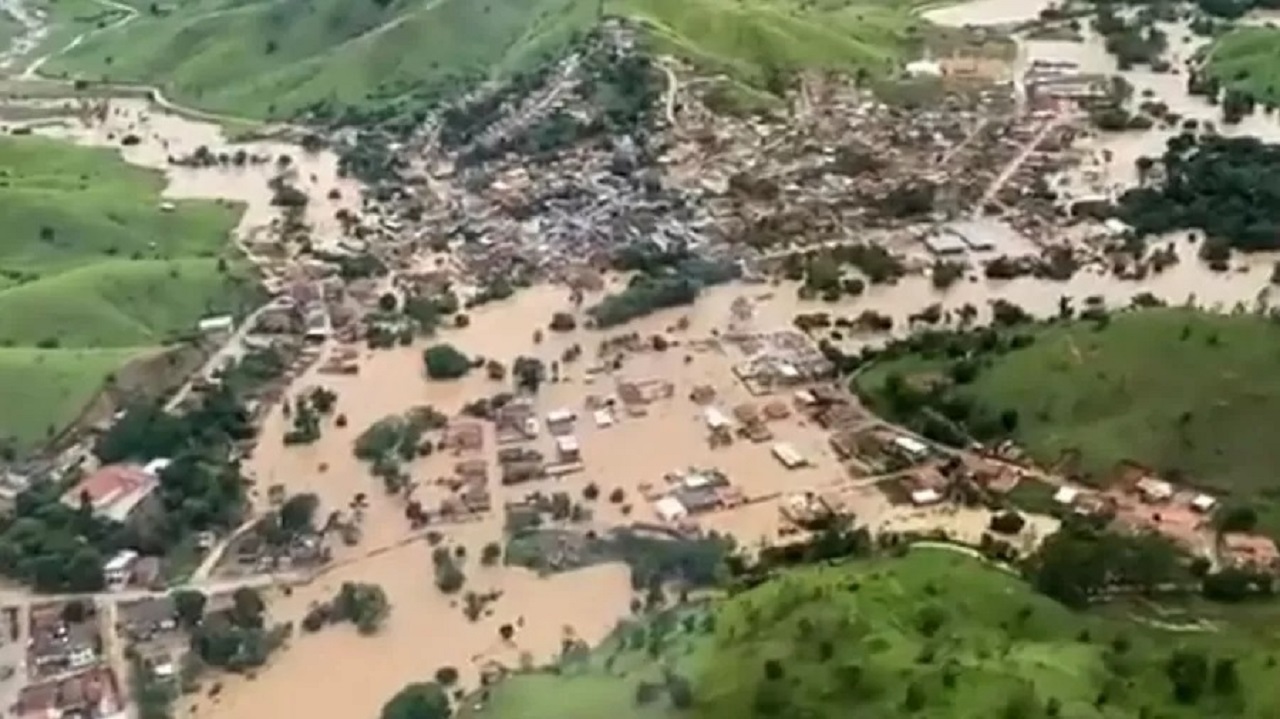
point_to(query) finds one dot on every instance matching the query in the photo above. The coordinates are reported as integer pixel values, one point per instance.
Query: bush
(1007, 523)
(617, 495)
(491, 554)
(444, 361)
(563, 322)
(447, 676)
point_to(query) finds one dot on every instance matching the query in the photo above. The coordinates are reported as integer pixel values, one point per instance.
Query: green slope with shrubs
(276, 58)
(932, 634)
(95, 269)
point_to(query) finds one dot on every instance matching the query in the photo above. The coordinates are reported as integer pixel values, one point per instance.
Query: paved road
(20, 597)
(998, 184)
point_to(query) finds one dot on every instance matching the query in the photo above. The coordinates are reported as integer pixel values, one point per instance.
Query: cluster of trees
(444, 361)
(398, 438)
(464, 121)
(823, 272)
(238, 639)
(1131, 42)
(422, 700)
(667, 286)
(448, 569)
(364, 605)
(59, 548)
(1228, 187)
(1082, 563)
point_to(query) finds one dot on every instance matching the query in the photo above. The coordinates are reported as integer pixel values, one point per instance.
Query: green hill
(932, 634)
(1248, 58)
(274, 57)
(93, 272)
(1193, 395)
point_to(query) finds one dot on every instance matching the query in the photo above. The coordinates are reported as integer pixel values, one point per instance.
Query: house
(568, 449)
(910, 448)
(788, 456)
(118, 492)
(118, 570)
(1154, 490)
(1250, 550)
(58, 644)
(145, 619)
(218, 323)
(92, 694)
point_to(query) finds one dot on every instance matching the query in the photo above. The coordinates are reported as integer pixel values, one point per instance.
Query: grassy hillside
(1175, 389)
(273, 57)
(933, 634)
(1191, 394)
(93, 272)
(1249, 58)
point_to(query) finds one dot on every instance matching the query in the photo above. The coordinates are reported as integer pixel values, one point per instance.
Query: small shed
(669, 509)
(715, 419)
(788, 455)
(925, 497)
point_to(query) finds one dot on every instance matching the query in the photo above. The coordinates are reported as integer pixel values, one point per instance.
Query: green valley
(934, 633)
(276, 58)
(95, 270)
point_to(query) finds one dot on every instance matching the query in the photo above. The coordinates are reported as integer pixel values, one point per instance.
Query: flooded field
(155, 136)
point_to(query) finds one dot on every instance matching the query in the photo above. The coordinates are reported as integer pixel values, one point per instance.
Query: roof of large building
(114, 490)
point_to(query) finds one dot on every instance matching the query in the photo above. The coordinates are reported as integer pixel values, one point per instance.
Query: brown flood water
(338, 673)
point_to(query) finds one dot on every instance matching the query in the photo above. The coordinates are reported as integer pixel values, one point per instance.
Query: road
(232, 349)
(669, 96)
(998, 184)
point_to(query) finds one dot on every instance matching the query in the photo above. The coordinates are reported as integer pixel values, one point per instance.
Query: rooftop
(114, 490)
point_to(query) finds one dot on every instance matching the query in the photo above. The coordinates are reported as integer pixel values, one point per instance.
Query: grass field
(94, 272)
(1248, 58)
(270, 58)
(933, 634)
(1174, 389)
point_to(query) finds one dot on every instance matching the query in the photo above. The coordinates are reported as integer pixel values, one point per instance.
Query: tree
(189, 604)
(1188, 670)
(444, 361)
(491, 554)
(388, 302)
(529, 372)
(422, 700)
(447, 676)
(1237, 518)
(298, 513)
(247, 607)
(1226, 680)
(84, 571)
(563, 322)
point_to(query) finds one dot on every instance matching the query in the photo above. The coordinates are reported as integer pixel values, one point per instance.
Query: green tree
(422, 700)
(444, 361)
(298, 513)
(189, 604)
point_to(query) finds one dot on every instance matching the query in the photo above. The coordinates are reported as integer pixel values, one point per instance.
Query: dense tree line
(60, 548)
(1081, 563)
(666, 286)
(1229, 187)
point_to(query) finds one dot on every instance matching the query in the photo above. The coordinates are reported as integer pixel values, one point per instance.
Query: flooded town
(496, 353)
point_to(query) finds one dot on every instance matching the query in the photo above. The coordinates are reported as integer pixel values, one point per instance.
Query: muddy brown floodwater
(338, 673)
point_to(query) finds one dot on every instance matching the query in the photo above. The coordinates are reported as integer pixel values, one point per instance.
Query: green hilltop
(95, 272)
(934, 634)
(1187, 393)
(275, 58)
(1248, 59)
